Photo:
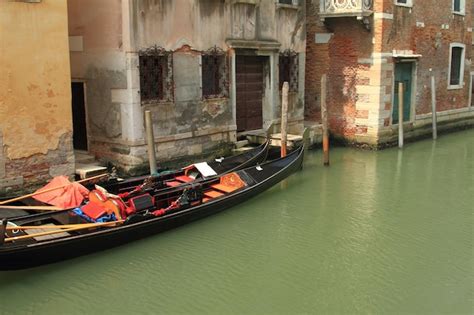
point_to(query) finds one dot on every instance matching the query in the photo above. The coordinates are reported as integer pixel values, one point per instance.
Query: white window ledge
(287, 6)
(406, 5)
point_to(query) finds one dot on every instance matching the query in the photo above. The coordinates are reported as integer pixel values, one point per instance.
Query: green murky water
(385, 232)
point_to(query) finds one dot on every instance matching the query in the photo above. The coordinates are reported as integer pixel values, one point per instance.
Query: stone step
(89, 170)
(241, 150)
(241, 143)
(275, 139)
(291, 140)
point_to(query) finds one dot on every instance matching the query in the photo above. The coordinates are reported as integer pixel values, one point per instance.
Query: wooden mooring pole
(324, 118)
(150, 139)
(433, 107)
(400, 114)
(284, 117)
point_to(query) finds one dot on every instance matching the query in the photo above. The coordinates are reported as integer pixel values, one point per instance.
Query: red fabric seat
(173, 183)
(184, 179)
(213, 194)
(94, 210)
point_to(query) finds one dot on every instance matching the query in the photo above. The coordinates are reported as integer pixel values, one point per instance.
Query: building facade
(206, 69)
(35, 108)
(367, 47)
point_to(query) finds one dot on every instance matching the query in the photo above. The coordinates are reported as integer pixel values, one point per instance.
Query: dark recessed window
(459, 6)
(156, 84)
(288, 69)
(214, 74)
(455, 77)
(290, 2)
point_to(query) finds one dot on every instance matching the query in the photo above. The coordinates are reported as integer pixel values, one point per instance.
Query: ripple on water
(377, 232)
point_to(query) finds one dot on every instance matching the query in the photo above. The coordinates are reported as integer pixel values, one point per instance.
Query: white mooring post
(284, 117)
(324, 118)
(150, 140)
(400, 114)
(433, 107)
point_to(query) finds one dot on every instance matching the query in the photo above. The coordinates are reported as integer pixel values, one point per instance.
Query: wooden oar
(62, 226)
(36, 208)
(50, 189)
(79, 227)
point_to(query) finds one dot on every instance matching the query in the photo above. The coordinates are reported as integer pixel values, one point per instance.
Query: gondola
(175, 177)
(163, 180)
(49, 237)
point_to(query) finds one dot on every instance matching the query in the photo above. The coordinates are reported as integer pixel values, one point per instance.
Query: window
(215, 73)
(405, 3)
(288, 69)
(456, 66)
(290, 2)
(459, 6)
(156, 83)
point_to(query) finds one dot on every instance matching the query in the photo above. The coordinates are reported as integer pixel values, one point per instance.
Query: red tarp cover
(69, 196)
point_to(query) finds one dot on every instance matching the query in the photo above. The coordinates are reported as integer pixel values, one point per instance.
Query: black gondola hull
(61, 249)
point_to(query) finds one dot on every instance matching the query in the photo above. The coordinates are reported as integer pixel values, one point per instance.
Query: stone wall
(188, 124)
(35, 95)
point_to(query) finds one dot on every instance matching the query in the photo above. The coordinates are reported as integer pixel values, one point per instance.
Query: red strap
(160, 212)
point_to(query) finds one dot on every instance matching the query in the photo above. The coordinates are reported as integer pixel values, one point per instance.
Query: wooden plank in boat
(213, 194)
(46, 237)
(224, 188)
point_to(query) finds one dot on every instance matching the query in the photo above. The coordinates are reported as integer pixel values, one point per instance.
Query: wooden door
(404, 74)
(249, 83)
(79, 116)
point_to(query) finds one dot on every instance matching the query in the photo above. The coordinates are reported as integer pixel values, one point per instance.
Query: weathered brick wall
(339, 58)
(317, 61)
(35, 170)
(428, 29)
(360, 64)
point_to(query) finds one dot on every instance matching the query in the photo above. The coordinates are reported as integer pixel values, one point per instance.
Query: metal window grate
(288, 69)
(156, 76)
(215, 73)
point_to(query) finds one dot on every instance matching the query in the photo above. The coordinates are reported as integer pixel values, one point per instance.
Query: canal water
(387, 232)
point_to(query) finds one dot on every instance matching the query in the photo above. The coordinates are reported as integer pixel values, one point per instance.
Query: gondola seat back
(141, 202)
(229, 183)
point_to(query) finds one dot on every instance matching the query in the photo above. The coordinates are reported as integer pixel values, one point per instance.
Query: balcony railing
(345, 8)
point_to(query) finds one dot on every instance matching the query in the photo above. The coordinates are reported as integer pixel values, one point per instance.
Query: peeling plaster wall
(35, 94)
(101, 64)
(206, 23)
(115, 31)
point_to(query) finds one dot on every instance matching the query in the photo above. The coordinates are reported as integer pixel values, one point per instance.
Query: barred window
(215, 73)
(156, 80)
(288, 69)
